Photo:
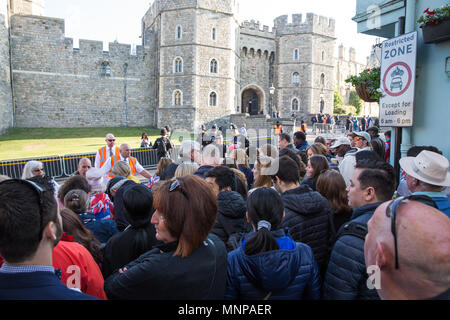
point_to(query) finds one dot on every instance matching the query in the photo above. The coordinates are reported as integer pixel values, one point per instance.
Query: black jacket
(309, 218)
(159, 275)
(202, 171)
(231, 216)
(119, 209)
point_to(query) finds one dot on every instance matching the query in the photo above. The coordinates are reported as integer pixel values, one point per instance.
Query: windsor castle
(196, 65)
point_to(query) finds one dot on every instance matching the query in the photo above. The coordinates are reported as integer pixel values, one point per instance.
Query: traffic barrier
(70, 162)
(13, 168)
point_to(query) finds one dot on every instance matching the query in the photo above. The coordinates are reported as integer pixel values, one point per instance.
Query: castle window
(213, 33)
(322, 79)
(295, 104)
(179, 32)
(105, 69)
(296, 78)
(213, 99)
(177, 98)
(178, 67)
(213, 66)
(323, 55)
(296, 54)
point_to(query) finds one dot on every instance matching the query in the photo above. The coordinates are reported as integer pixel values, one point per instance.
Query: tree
(355, 101)
(338, 109)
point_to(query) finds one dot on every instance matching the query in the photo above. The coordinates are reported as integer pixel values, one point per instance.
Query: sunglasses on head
(391, 212)
(177, 186)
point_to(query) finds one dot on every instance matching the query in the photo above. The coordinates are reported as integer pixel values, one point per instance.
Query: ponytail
(263, 241)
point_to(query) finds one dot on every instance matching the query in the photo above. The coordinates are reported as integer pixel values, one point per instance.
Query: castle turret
(27, 7)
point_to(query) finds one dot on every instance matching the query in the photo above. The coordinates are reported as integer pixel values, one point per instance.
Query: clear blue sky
(110, 20)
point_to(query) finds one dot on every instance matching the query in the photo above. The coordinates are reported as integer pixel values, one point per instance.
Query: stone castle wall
(6, 106)
(62, 86)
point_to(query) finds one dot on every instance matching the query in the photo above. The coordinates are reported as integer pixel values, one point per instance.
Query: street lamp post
(271, 91)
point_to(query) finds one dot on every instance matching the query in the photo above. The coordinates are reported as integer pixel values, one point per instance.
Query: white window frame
(296, 76)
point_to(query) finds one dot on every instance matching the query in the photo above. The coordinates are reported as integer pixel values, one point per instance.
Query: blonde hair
(240, 157)
(185, 169)
(162, 164)
(121, 169)
(262, 165)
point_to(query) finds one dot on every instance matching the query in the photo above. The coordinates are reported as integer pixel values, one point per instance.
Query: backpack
(356, 229)
(234, 238)
(161, 146)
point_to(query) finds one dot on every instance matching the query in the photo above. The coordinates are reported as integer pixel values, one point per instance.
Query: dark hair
(23, 218)
(143, 134)
(74, 182)
(73, 226)
(379, 147)
(319, 163)
(138, 205)
(110, 184)
(285, 136)
(224, 176)
(388, 133)
(321, 140)
(77, 201)
(163, 131)
(167, 128)
(44, 181)
(240, 187)
(294, 156)
(300, 135)
(414, 151)
(367, 155)
(332, 186)
(264, 204)
(288, 170)
(189, 210)
(378, 175)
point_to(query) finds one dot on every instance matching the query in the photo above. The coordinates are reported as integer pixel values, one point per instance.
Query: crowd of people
(292, 220)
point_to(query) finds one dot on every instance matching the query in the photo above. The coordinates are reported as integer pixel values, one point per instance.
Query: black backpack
(160, 144)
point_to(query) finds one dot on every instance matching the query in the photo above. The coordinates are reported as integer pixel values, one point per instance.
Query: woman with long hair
(316, 165)
(269, 264)
(262, 173)
(162, 164)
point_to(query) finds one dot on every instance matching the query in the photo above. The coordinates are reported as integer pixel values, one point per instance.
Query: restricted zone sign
(398, 74)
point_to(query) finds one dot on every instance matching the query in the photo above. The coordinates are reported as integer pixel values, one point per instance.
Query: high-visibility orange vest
(278, 129)
(303, 126)
(114, 159)
(104, 155)
(132, 162)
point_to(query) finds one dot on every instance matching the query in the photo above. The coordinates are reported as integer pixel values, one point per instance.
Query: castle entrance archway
(252, 100)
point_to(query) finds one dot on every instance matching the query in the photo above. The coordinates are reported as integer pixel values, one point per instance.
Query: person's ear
(381, 255)
(370, 194)
(50, 231)
(279, 182)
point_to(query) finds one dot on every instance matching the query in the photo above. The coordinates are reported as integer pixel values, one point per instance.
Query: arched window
(177, 98)
(178, 65)
(296, 54)
(295, 104)
(213, 33)
(322, 79)
(179, 32)
(296, 78)
(105, 69)
(323, 55)
(213, 66)
(213, 99)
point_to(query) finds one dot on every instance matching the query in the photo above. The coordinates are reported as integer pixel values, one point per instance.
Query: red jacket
(73, 259)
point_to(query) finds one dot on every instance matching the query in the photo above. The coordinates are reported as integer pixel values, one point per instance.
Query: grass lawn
(38, 142)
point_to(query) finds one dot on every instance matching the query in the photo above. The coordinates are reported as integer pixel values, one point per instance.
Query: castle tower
(196, 61)
(27, 7)
(305, 65)
(6, 107)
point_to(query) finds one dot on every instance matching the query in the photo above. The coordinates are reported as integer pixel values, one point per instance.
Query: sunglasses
(111, 140)
(39, 192)
(38, 170)
(358, 138)
(391, 212)
(177, 186)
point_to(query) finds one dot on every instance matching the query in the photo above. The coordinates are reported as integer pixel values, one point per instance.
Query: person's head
(125, 150)
(110, 140)
(362, 140)
(167, 130)
(138, 205)
(373, 131)
(330, 142)
(414, 151)
(268, 150)
(163, 132)
(287, 176)
(371, 182)
(261, 172)
(387, 135)
(299, 138)
(190, 151)
(144, 135)
(220, 178)
(185, 169)
(33, 168)
(30, 224)
(121, 168)
(367, 155)
(162, 164)
(284, 140)
(340, 147)
(72, 183)
(77, 201)
(294, 156)
(316, 165)
(316, 148)
(211, 156)
(332, 186)
(351, 137)
(240, 158)
(379, 147)
(321, 140)
(202, 128)
(83, 166)
(113, 185)
(73, 226)
(265, 212)
(240, 183)
(186, 210)
(95, 178)
(422, 243)
(428, 172)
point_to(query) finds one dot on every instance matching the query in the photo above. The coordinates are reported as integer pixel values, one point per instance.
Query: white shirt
(244, 131)
(108, 152)
(107, 166)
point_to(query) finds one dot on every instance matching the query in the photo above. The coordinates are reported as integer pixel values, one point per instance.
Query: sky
(110, 20)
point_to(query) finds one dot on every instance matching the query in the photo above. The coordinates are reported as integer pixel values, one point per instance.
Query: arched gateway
(252, 100)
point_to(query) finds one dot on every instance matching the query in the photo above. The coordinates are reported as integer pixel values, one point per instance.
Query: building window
(178, 65)
(105, 69)
(212, 99)
(296, 54)
(322, 79)
(295, 104)
(177, 98)
(296, 78)
(179, 32)
(213, 66)
(213, 34)
(323, 55)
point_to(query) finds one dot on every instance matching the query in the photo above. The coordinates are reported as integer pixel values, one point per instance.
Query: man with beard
(30, 227)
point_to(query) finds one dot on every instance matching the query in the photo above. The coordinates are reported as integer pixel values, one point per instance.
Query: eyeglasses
(111, 140)
(358, 138)
(38, 170)
(177, 186)
(39, 191)
(391, 212)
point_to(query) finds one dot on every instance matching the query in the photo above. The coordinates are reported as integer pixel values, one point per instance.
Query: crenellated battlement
(253, 27)
(312, 24)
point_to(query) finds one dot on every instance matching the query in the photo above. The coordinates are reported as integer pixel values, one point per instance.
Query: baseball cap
(339, 142)
(363, 134)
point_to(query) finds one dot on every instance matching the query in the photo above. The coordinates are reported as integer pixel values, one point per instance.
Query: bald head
(423, 242)
(83, 166)
(125, 150)
(110, 140)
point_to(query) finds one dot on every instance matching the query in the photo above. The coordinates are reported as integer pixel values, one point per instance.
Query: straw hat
(429, 167)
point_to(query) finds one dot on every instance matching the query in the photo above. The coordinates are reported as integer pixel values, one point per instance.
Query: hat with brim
(95, 179)
(339, 142)
(363, 134)
(429, 167)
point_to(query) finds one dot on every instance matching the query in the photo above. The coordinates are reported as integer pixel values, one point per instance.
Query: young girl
(269, 264)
